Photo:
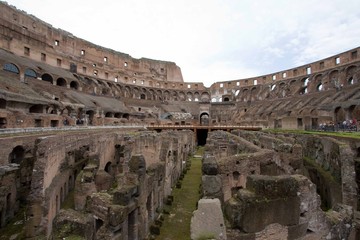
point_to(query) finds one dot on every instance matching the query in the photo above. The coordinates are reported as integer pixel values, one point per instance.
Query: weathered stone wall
(112, 176)
(259, 182)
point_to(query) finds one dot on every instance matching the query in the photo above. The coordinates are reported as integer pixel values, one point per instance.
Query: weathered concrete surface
(208, 220)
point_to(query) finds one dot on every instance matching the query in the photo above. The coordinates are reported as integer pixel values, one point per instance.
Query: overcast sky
(211, 40)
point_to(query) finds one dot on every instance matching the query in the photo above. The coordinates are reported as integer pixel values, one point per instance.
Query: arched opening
(117, 115)
(47, 78)
(351, 81)
(303, 90)
(38, 108)
(320, 87)
(90, 116)
(30, 73)
(74, 85)
(11, 68)
(226, 99)
(108, 168)
(340, 115)
(204, 119)
(213, 99)
(17, 155)
(61, 82)
(142, 96)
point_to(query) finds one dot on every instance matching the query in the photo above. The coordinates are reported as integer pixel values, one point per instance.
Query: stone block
(208, 220)
(124, 195)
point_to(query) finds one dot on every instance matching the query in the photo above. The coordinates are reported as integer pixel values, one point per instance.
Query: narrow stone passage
(176, 225)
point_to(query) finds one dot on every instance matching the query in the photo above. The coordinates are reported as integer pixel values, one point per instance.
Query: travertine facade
(118, 177)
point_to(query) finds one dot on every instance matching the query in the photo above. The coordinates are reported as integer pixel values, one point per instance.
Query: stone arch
(74, 85)
(305, 81)
(319, 87)
(17, 155)
(30, 73)
(196, 96)
(47, 78)
(159, 95)
(108, 168)
(11, 67)
(90, 115)
(204, 118)
(182, 96)
(136, 93)
(61, 82)
(205, 97)
(189, 96)
(174, 96)
(166, 95)
(127, 92)
(340, 114)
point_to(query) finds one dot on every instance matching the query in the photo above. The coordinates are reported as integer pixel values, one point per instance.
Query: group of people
(346, 125)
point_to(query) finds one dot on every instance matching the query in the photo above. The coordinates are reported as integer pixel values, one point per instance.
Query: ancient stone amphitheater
(113, 134)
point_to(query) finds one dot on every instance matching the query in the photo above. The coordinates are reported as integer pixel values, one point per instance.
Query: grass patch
(177, 224)
(332, 134)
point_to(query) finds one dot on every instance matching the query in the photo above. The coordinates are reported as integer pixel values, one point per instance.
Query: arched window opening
(108, 168)
(61, 82)
(142, 96)
(351, 81)
(306, 82)
(320, 87)
(17, 155)
(213, 100)
(36, 109)
(117, 115)
(204, 119)
(11, 68)
(30, 73)
(304, 91)
(226, 99)
(74, 85)
(47, 78)
(90, 116)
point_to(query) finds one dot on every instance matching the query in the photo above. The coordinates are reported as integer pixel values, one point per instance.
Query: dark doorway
(201, 136)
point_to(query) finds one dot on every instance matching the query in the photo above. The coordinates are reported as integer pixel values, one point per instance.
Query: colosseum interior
(112, 135)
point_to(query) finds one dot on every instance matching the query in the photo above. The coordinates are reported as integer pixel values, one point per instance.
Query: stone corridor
(176, 225)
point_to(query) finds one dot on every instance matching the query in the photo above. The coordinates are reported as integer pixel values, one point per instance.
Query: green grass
(177, 224)
(333, 134)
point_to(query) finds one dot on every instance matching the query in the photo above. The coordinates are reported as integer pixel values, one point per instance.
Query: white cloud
(211, 40)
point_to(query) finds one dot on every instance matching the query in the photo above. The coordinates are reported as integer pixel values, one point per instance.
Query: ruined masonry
(93, 141)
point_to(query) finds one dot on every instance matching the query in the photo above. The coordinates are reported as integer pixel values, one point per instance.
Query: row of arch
(335, 79)
(94, 86)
